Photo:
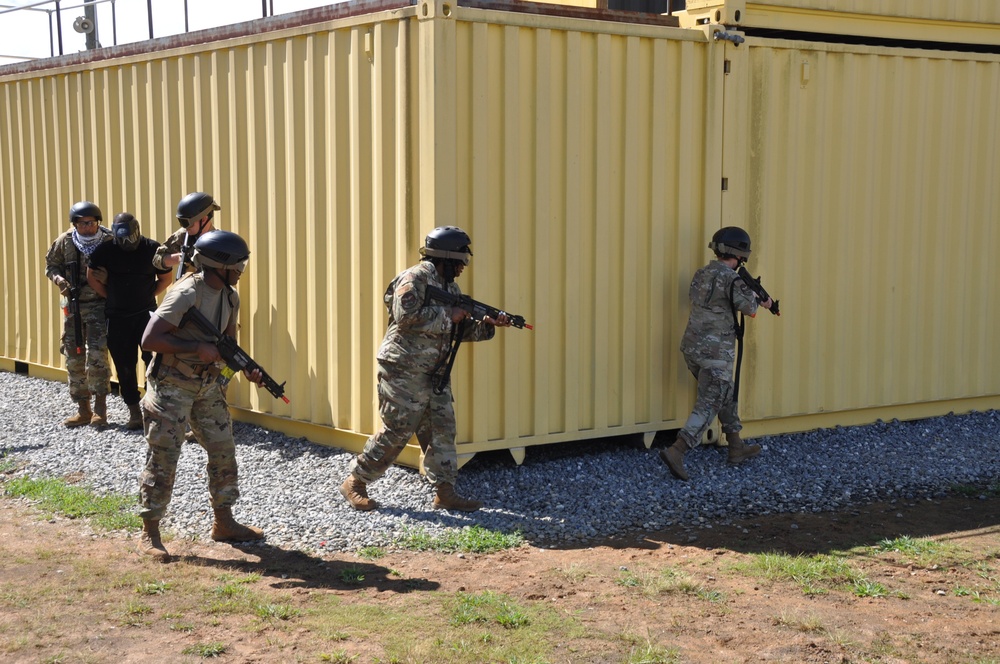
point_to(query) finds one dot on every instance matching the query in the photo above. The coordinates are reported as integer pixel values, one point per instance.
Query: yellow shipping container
(589, 159)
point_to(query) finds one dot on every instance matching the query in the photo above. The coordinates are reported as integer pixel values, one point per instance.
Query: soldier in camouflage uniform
(717, 294)
(87, 364)
(416, 343)
(183, 389)
(194, 214)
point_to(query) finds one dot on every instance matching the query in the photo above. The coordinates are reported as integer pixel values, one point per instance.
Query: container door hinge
(726, 66)
(725, 184)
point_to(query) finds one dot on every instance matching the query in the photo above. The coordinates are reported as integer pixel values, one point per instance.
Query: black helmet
(126, 231)
(447, 242)
(221, 249)
(84, 209)
(731, 241)
(194, 206)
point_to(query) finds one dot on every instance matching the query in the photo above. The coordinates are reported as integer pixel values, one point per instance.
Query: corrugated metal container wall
(580, 173)
(871, 192)
(301, 136)
(969, 11)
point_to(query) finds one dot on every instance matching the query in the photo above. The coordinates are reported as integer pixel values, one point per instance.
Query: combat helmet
(194, 206)
(731, 241)
(221, 249)
(447, 242)
(84, 209)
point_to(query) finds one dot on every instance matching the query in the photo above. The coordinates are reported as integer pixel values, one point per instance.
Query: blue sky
(24, 33)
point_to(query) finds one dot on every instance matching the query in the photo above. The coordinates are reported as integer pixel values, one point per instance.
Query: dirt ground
(943, 611)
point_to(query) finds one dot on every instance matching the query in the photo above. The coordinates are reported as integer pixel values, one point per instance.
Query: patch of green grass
(973, 491)
(488, 607)
(111, 512)
(866, 588)
(810, 623)
(371, 552)
(352, 575)
(276, 611)
(7, 464)
(339, 657)
(154, 588)
(133, 614)
(206, 649)
(666, 581)
(650, 654)
(813, 574)
(472, 539)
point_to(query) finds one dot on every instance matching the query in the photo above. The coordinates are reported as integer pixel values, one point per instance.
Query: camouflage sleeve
(744, 298)
(170, 246)
(479, 331)
(407, 305)
(54, 261)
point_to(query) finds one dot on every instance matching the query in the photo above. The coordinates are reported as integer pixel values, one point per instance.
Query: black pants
(124, 337)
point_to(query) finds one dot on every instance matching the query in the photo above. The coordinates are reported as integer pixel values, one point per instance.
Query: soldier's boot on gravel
(738, 450)
(83, 417)
(150, 543)
(189, 437)
(673, 456)
(356, 493)
(100, 417)
(226, 529)
(447, 499)
(134, 417)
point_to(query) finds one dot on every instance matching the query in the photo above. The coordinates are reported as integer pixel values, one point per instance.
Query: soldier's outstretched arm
(159, 337)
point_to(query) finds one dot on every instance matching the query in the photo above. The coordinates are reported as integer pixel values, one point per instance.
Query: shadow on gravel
(807, 534)
(297, 569)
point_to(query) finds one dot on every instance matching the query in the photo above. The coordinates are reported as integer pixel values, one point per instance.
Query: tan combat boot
(738, 450)
(673, 456)
(83, 417)
(226, 529)
(447, 499)
(134, 417)
(100, 417)
(150, 543)
(356, 493)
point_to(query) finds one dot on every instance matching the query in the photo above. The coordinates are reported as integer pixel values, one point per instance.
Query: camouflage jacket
(172, 245)
(419, 334)
(716, 290)
(63, 252)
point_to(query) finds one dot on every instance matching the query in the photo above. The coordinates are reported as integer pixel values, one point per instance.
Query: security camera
(83, 25)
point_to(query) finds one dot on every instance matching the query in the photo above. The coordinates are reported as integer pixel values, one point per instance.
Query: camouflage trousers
(408, 407)
(715, 398)
(90, 370)
(172, 403)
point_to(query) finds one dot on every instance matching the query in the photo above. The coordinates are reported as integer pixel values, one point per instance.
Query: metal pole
(90, 11)
(114, 23)
(149, 13)
(52, 45)
(263, 8)
(59, 27)
(186, 27)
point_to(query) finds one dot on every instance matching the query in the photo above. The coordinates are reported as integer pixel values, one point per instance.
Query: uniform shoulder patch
(408, 299)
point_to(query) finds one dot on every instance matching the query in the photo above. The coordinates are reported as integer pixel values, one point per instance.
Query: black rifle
(757, 289)
(441, 373)
(236, 358)
(73, 303)
(186, 250)
(477, 310)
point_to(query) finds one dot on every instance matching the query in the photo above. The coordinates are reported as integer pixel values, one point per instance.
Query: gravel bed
(567, 494)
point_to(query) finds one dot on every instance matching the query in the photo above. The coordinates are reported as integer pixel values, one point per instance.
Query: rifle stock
(236, 358)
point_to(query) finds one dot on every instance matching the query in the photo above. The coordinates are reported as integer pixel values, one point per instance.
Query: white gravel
(568, 493)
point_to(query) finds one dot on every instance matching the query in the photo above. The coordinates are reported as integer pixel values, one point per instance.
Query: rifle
(477, 310)
(236, 358)
(185, 257)
(72, 307)
(757, 289)
(441, 373)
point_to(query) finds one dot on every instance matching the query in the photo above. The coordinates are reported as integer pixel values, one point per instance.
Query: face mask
(126, 234)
